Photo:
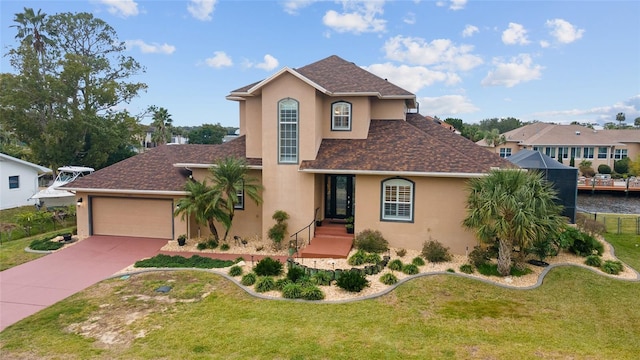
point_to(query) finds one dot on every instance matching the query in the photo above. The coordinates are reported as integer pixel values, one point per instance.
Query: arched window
(341, 116)
(397, 200)
(288, 131)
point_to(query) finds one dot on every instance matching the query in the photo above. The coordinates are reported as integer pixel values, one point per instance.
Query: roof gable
(40, 169)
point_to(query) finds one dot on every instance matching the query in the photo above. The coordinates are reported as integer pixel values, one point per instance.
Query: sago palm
(514, 208)
(204, 203)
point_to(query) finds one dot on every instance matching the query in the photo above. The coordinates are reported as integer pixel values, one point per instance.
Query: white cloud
(412, 78)
(201, 9)
(441, 53)
(469, 30)
(268, 64)
(357, 17)
(603, 114)
(153, 48)
(519, 69)
(515, 34)
(220, 59)
(291, 7)
(410, 18)
(122, 8)
(563, 31)
(454, 4)
(446, 105)
(544, 44)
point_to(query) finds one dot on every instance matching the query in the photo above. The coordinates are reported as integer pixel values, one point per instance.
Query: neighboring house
(327, 141)
(444, 124)
(571, 141)
(18, 181)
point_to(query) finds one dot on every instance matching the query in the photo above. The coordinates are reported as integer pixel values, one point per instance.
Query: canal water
(608, 203)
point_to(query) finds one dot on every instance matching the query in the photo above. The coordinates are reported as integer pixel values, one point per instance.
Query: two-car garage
(130, 216)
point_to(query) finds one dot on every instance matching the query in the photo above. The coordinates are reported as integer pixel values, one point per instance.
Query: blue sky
(555, 61)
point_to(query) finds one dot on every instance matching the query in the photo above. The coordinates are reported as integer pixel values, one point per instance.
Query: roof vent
(577, 132)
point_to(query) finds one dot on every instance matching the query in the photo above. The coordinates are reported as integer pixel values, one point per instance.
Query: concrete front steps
(331, 241)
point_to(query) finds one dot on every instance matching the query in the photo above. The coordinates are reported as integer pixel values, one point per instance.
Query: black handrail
(308, 227)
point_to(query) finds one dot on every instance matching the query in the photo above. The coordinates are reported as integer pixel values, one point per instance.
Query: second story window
(505, 152)
(288, 131)
(341, 116)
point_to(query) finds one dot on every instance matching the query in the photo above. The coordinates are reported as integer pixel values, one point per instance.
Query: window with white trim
(505, 152)
(397, 200)
(588, 153)
(550, 151)
(620, 154)
(288, 131)
(341, 116)
(602, 152)
(14, 182)
(563, 152)
(575, 152)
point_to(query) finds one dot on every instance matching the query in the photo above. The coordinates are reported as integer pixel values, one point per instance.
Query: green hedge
(177, 261)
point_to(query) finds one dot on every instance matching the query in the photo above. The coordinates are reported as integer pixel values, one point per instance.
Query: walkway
(30, 287)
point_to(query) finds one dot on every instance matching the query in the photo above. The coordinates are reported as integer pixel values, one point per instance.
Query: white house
(18, 181)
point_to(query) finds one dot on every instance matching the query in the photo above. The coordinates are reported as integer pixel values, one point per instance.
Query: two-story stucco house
(328, 140)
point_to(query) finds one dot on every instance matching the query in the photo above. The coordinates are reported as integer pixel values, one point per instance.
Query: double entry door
(339, 190)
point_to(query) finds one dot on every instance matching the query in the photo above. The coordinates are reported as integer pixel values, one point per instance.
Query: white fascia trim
(395, 173)
(282, 71)
(206, 166)
(130, 192)
(237, 98)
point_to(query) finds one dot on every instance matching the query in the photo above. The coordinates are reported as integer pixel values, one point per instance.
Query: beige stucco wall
(360, 116)
(438, 213)
(387, 109)
(251, 126)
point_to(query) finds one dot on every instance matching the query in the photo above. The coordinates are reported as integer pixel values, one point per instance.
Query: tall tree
(230, 176)
(207, 134)
(29, 26)
(636, 122)
(63, 116)
(204, 203)
(162, 125)
(494, 138)
(502, 124)
(456, 123)
(514, 208)
(620, 118)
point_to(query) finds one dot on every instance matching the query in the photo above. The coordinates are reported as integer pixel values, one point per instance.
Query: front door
(339, 196)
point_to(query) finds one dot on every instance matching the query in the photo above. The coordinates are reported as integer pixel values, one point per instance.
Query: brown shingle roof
(153, 170)
(415, 145)
(337, 75)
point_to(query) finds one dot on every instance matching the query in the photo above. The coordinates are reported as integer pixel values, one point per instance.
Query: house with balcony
(328, 141)
(571, 141)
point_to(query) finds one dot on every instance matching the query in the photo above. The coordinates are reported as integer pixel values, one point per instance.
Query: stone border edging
(391, 287)
(29, 250)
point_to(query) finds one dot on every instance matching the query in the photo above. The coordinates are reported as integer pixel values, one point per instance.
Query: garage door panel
(132, 217)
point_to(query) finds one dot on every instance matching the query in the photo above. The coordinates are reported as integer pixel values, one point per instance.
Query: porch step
(331, 241)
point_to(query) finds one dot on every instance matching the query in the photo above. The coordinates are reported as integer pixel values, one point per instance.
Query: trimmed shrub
(371, 241)
(604, 169)
(224, 247)
(281, 283)
(466, 268)
(372, 258)
(248, 279)
(178, 261)
(352, 281)
(479, 256)
(401, 252)
(358, 258)
(410, 269)
(450, 270)
(612, 267)
(235, 270)
(292, 291)
(312, 292)
(265, 283)
(396, 265)
(389, 279)
(45, 244)
(593, 260)
(418, 261)
(585, 244)
(295, 273)
(268, 267)
(435, 252)
(201, 246)
(321, 278)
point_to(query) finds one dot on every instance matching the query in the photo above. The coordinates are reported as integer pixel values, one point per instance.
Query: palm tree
(204, 202)
(162, 124)
(29, 27)
(620, 117)
(493, 138)
(230, 176)
(514, 208)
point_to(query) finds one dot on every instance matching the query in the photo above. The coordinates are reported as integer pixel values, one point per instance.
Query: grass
(627, 248)
(628, 222)
(574, 314)
(12, 252)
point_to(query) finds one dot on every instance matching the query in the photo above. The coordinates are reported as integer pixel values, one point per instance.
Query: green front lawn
(627, 248)
(12, 252)
(575, 314)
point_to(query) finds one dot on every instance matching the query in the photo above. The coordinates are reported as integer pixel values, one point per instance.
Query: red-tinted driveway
(30, 287)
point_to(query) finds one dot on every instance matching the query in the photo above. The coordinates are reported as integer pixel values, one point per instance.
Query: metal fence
(617, 224)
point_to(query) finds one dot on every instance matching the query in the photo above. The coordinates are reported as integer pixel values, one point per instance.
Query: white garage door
(132, 217)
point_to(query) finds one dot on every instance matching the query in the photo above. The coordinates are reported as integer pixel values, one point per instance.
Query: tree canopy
(207, 134)
(71, 76)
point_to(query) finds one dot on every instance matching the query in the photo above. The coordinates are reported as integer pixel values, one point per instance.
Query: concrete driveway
(30, 287)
